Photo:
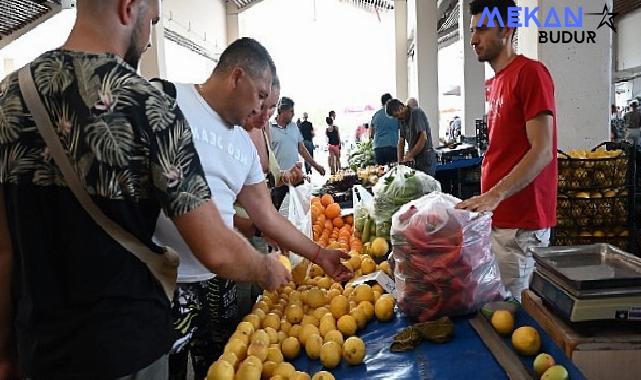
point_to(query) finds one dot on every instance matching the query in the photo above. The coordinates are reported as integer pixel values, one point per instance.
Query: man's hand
(330, 261)
(320, 169)
(275, 274)
(483, 203)
(293, 176)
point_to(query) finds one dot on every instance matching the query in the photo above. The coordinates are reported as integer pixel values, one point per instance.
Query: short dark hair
(248, 54)
(392, 106)
(503, 6)
(385, 98)
(285, 104)
(331, 112)
(329, 120)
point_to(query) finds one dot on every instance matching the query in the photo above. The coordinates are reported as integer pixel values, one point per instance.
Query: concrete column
(152, 63)
(473, 86)
(400, 18)
(583, 77)
(426, 45)
(233, 28)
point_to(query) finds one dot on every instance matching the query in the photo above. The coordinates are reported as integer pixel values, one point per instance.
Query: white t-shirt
(229, 160)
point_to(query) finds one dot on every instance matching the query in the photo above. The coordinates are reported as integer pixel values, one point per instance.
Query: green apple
(556, 372)
(542, 362)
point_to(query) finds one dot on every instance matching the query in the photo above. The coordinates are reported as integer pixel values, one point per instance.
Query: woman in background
(333, 146)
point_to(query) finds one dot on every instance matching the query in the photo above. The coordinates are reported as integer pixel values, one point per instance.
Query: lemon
(268, 369)
(313, 346)
(339, 306)
(294, 314)
(220, 370)
(347, 325)
(330, 355)
(274, 355)
(257, 349)
(526, 340)
(323, 375)
(379, 247)
(384, 308)
(334, 336)
(271, 320)
(299, 375)
(363, 292)
(354, 350)
(284, 369)
(503, 322)
(285, 261)
(290, 348)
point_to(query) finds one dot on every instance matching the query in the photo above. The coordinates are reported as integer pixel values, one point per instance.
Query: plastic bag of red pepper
(443, 261)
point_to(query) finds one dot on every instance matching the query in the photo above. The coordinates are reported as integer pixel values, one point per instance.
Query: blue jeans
(385, 155)
(310, 148)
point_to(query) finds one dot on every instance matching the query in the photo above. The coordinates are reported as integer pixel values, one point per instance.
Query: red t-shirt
(517, 94)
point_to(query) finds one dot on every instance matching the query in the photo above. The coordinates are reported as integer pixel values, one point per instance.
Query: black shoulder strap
(165, 86)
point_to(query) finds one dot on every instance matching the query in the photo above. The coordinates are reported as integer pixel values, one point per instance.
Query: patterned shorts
(205, 315)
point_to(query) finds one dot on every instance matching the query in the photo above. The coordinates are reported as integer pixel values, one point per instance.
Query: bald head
(121, 27)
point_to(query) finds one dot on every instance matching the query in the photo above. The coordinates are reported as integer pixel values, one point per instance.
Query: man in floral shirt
(73, 302)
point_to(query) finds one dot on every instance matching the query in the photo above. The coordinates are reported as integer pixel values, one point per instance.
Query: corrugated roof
(378, 4)
(19, 16)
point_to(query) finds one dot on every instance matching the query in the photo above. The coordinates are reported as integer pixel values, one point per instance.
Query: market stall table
(464, 357)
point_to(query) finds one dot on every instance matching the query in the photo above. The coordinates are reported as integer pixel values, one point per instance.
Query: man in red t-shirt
(519, 174)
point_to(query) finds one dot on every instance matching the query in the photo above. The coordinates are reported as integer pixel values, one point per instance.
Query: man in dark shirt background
(307, 130)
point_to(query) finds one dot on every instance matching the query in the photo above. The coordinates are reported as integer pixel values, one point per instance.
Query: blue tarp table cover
(465, 357)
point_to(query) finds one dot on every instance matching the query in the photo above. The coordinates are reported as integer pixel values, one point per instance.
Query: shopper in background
(82, 305)
(287, 143)
(332, 114)
(632, 121)
(415, 129)
(333, 146)
(519, 173)
(307, 131)
(412, 103)
(384, 132)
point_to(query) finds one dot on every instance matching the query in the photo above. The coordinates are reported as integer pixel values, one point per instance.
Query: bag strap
(154, 261)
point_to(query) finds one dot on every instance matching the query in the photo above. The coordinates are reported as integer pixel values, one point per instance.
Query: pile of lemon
(314, 315)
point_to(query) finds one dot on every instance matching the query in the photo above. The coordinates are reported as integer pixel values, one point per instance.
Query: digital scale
(589, 283)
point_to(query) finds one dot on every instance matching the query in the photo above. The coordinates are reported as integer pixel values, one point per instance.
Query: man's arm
(7, 353)
(309, 159)
(371, 130)
(540, 134)
(400, 152)
(225, 252)
(418, 148)
(255, 199)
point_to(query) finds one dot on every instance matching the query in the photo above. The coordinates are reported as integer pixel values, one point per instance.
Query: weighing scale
(589, 283)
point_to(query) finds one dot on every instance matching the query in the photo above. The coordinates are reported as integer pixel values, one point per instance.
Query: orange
(344, 233)
(315, 199)
(327, 200)
(316, 211)
(333, 211)
(338, 222)
(321, 219)
(329, 225)
(349, 219)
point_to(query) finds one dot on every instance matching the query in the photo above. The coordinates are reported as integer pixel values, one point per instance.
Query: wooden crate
(611, 351)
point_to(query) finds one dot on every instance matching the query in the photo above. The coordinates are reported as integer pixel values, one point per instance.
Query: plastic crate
(593, 212)
(579, 174)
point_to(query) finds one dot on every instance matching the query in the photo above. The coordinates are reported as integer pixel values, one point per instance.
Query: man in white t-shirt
(205, 306)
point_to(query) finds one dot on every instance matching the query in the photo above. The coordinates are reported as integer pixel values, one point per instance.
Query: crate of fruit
(600, 168)
(593, 209)
(617, 236)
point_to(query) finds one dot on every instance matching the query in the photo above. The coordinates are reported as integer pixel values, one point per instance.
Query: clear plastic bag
(396, 188)
(299, 213)
(444, 264)
(363, 208)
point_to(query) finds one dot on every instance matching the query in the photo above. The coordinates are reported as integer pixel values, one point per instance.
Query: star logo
(608, 18)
